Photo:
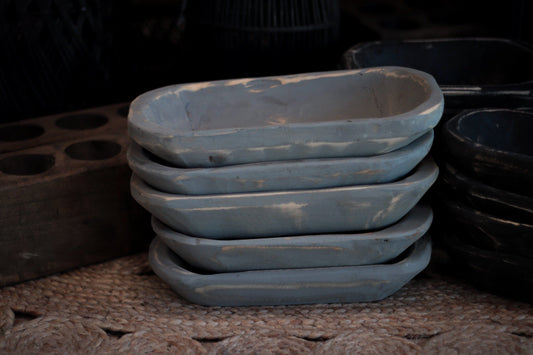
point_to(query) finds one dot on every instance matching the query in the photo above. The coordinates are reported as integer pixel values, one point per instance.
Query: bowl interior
(501, 130)
(455, 62)
(281, 100)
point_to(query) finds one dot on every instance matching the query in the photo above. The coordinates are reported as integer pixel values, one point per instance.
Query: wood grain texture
(66, 203)
(62, 127)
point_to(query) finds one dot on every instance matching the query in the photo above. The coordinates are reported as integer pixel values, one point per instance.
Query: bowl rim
(275, 252)
(404, 226)
(470, 215)
(346, 137)
(454, 177)
(178, 177)
(487, 231)
(470, 149)
(460, 209)
(137, 157)
(416, 251)
(453, 89)
(379, 205)
(425, 170)
(433, 102)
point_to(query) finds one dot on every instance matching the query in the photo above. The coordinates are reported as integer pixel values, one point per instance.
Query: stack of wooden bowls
(486, 190)
(484, 207)
(288, 190)
(472, 72)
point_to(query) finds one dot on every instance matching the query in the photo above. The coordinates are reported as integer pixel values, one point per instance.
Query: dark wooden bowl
(493, 145)
(485, 198)
(486, 231)
(472, 72)
(500, 273)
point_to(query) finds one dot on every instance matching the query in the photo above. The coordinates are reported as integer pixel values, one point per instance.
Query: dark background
(59, 55)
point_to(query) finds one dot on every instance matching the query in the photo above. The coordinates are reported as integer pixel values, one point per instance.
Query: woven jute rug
(122, 307)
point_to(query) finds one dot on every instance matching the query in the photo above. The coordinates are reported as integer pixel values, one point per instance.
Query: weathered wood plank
(66, 126)
(67, 204)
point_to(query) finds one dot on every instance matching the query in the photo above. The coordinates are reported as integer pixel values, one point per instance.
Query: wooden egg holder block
(64, 194)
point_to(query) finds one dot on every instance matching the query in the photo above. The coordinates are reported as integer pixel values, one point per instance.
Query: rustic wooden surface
(65, 212)
(53, 128)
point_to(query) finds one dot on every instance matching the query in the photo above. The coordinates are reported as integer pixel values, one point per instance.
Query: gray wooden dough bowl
(283, 175)
(318, 250)
(289, 286)
(282, 213)
(318, 115)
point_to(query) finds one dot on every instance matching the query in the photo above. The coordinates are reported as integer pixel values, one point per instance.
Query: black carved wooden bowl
(493, 145)
(496, 272)
(485, 198)
(472, 72)
(486, 231)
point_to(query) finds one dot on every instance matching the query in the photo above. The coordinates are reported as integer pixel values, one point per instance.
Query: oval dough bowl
(268, 214)
(489, 232)
(472, 72)
(316, 115)
(496, 202)
(289, 286)
(495, 146)
(276, 176)
(319, 250)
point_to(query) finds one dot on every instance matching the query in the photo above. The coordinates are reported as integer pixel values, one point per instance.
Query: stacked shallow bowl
(484, 208)
(472, 72)
(288, 190)
(487, 198)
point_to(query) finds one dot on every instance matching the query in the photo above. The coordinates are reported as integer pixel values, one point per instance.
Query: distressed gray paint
(289, 286)
(326, 250)
(472, 72)
(318, 115)
(486, 198)
(266, 214)
(284, 175)
(495, 146)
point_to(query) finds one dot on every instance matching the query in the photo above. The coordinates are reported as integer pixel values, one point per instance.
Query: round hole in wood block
(20, 132)
(123, 111)
(27, 164)
(82, 121)
(93, 150)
